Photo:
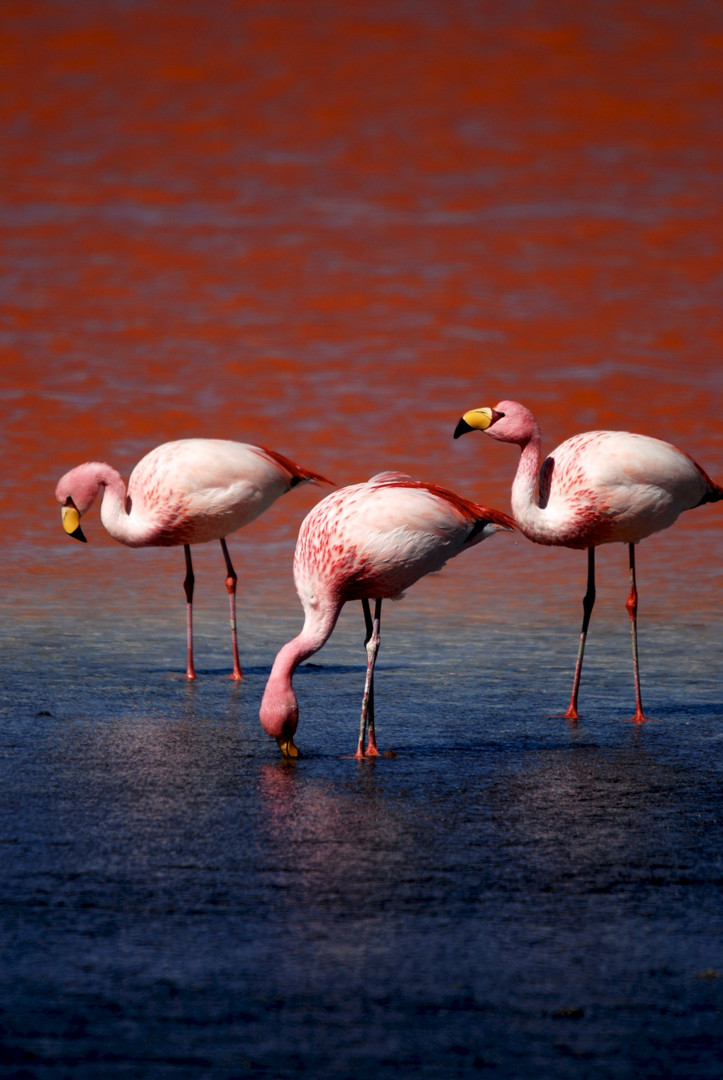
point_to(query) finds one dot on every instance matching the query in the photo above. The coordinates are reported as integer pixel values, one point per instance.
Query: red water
(332, 228)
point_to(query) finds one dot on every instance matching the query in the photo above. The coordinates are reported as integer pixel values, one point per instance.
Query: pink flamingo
(599, 487)
(368, 541)
(185, 492)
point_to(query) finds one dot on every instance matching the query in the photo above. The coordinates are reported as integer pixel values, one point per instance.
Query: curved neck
(279, 709)
(130, 525)
(319, 622)
(113, 512)
(526, 509)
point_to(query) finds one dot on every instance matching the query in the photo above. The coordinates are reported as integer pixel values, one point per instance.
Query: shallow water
(330, 229)
(506, 892)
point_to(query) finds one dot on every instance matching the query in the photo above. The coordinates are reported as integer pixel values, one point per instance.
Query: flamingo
(185, 492)
(368, 541)
(598, 487)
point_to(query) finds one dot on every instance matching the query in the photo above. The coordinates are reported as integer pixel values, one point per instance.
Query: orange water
(333, 227)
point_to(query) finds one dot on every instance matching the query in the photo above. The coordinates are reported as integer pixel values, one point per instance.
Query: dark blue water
(506, 895)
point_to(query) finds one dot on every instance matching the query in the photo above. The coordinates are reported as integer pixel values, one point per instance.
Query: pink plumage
(186, 492)
(598, 487)
(367, 541)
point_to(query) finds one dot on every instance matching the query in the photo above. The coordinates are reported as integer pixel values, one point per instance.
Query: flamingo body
(367, 541)
(596, 488)
(603, 487)
(186, 492)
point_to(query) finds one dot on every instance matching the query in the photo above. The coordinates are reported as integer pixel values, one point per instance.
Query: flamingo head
(507, 422)
(279, 715)
(76, 492)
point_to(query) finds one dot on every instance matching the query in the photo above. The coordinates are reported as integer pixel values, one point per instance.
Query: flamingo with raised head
(366, 542)
(184, 492)
(598, 487)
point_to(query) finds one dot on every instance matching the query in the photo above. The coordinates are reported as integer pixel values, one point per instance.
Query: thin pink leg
(366, 721)
(372, 748)
(588, 604)
(632, 606)
(231, 580)
(188, 589)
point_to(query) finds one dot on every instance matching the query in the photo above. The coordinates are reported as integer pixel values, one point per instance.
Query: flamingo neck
(279, 712)
(525, 506)
(126, 519)
(113, 512)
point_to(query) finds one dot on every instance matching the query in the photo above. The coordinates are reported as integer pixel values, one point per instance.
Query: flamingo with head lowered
(599, 487)
(366, 542)
(184, 492)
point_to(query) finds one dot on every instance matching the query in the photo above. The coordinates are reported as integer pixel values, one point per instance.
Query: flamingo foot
(371, 752)
(571, 714)
(372, 748)
(639, 718)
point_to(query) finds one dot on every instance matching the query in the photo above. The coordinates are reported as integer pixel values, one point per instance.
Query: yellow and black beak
(287, 746)
(477, 420)
(71, 521)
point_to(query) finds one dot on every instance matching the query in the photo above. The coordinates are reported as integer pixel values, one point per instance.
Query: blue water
(503, 893)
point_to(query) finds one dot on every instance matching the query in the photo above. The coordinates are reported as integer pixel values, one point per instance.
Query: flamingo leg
(188, 583)
(371, 643)
(632, 606)
(231, 579)
(587, 605)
